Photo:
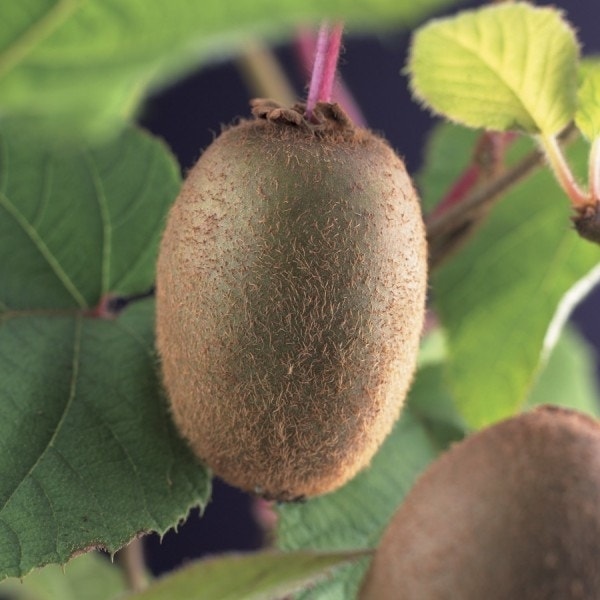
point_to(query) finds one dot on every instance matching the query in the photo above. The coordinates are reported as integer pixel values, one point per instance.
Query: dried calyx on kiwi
(512, 512)
(587, 222)
(290, 300)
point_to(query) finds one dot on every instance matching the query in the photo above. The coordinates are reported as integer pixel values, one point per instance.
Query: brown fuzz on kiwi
(513, 512)
(290, 300)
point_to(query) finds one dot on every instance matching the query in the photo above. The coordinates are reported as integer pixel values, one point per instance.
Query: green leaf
(355, 515)
(587, 117)
(89, 456)
(88, 453)
(85, 65)
(568, 378)
(87, 577)
(432, 405)
(509, 66)
(499, 296)
(258, 576)
(77, 223)
(433, 348)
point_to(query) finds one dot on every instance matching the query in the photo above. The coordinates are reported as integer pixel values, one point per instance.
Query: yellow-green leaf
(587, 117)
(503, 67)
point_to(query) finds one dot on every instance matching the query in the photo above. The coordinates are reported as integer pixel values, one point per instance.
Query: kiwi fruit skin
(513, 512)
(291, 287)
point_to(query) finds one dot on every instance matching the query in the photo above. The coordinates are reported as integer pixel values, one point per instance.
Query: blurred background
(191, 113)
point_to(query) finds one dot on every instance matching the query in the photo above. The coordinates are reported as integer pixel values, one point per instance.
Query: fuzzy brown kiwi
(290, 300)
(511, 513)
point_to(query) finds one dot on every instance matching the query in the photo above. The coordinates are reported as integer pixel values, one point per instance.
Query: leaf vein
(65, 411)
(480, 57)
(36, 33)
(43, 249)
(106, 225)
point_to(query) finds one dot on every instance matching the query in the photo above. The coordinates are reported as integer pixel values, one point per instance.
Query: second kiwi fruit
(511, 513)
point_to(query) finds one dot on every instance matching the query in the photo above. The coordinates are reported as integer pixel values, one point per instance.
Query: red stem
(324, 66)
(103, 310)
(461, 187)
(488, 157)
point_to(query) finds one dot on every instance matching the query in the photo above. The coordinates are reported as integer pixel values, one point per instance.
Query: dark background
(188, 116)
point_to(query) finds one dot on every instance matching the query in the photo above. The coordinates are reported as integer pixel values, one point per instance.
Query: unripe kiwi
(512, 513)
(290, 299)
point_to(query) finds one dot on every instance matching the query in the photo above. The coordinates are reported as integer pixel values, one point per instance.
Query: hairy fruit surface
(512, 512)
(290, 300)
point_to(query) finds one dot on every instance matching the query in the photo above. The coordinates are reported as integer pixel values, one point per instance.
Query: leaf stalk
(562, 172)
(594, 170)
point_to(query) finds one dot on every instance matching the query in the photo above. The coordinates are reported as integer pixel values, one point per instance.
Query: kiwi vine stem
(446, 231)
(449, 228)
(325, 64)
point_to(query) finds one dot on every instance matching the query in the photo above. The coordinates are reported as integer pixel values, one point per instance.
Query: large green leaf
(89, 456)
(498, 297)
(77, 223)
(258, 576)
(355, 515)
(509, 66)
(87, 577)
(86, 63)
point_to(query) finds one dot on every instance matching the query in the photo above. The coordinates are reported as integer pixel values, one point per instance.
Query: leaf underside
(78, 66)
(257, 576)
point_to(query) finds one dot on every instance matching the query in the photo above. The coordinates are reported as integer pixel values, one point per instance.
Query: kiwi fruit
(291, 287)
(511, 513)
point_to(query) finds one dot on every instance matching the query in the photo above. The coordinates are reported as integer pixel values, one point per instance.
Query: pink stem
(557, 162)
(317, 70)
(305, 48)
(331, 61)
(324, 66)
